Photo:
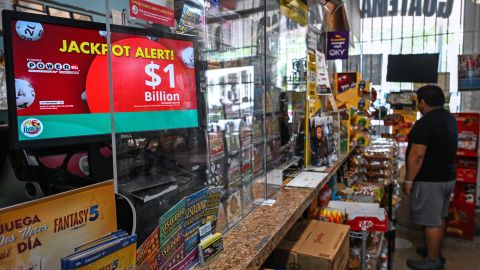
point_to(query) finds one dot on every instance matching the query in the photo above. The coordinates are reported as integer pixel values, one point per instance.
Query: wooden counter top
(249, 244)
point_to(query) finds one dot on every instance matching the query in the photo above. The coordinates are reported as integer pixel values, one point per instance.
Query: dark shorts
(429, 202)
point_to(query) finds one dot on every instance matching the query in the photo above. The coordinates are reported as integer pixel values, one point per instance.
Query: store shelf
(249, 244)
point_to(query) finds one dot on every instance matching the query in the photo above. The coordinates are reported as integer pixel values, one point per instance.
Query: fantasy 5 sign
(37, 234)
(427, 8)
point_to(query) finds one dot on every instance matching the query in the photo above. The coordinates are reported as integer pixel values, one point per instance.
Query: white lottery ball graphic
(25, 94)
(83, 96)
(83, 165)
(152, 38)
(188, 57)
(103, 33)
(31, 31)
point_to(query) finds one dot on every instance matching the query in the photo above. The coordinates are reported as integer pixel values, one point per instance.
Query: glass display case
(167, 101)
(245, 77)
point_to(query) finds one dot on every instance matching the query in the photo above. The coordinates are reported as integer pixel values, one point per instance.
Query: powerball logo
(31, 127)
(40, 66)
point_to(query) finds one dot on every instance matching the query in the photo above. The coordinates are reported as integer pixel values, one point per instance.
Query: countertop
(249, 244)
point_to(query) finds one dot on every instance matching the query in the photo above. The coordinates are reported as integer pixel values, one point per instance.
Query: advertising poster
(468, 125)
(37, 234)
(337, 45)
(469, 72)
(322, 144)
(171, 236)
(323, 82)
(156, 11)
(62, 87)
(147, 253)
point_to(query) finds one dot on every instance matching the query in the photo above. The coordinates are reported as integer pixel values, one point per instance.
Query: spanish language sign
(37, 234)
(157, 11)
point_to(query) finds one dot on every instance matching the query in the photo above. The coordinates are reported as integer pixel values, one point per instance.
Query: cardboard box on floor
(313, 245)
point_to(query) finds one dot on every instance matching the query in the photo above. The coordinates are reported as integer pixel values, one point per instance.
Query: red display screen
(59, 84)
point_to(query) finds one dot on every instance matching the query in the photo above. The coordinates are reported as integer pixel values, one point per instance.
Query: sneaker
(422, 251)
(425, 264)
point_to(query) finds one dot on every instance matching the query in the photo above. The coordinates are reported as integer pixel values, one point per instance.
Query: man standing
(430, 177)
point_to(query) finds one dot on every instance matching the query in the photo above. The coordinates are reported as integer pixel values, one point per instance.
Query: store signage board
(58, 86)
(427, 8)
(156, 11)
(337, 45)
(37, 234)
(469, 72)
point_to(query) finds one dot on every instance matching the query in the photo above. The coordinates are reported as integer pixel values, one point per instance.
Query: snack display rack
(461, 221)
(377, 164)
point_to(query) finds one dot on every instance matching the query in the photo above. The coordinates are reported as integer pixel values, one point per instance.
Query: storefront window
(411, 33)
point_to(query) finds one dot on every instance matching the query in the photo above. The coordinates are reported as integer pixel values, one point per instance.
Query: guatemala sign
(427, 8)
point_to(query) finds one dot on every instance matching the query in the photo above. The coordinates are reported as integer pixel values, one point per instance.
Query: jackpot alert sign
(62, 86)
(37, 234)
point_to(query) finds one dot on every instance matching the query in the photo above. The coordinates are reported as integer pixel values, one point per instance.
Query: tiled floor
(460, 254)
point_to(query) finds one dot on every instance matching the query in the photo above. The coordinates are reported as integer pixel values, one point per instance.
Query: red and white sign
(153, 11)
(149, 74)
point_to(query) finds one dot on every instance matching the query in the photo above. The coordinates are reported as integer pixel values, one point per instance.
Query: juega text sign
(427, 8)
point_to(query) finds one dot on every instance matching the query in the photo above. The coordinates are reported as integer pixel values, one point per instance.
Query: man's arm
(414, 164)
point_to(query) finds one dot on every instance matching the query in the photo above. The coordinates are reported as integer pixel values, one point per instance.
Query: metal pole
(364, 249)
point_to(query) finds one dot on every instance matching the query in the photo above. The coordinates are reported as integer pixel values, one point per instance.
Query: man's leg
(426, 209)
(434, 239)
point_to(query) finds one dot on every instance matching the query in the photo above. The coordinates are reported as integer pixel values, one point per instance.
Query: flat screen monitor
(59, 87)
(421, 68)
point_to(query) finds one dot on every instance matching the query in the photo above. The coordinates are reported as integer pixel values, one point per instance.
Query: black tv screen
(421, 68)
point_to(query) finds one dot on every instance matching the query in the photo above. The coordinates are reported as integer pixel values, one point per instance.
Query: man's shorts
(429, 202)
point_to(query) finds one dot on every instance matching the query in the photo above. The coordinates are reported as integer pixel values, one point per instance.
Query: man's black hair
(432, 95)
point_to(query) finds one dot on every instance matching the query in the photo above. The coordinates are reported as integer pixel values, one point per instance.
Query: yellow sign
(311, 75)
(296, 10)
(37, 234)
